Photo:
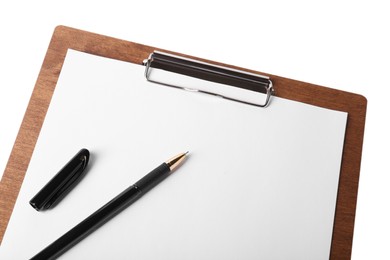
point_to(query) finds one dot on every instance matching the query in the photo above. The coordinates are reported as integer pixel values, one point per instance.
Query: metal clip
(205, 71)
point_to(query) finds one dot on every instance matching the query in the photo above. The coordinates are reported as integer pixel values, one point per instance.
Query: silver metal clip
(260, 85)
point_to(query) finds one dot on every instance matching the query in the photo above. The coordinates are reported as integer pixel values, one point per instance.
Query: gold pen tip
(174, 162)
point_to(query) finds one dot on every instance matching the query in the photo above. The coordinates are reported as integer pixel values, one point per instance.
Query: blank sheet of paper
(258, 184)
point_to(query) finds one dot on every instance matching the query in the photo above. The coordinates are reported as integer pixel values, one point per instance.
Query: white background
(339, 44)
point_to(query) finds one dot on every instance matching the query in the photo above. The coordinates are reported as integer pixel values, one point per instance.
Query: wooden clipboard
(65, 38)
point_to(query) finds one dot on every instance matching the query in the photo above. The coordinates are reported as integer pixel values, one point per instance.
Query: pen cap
(62, 183)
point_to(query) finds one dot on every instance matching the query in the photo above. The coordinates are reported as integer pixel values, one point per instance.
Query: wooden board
(65, 38)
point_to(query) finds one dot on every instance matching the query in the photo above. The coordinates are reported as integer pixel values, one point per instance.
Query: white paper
(259, 183)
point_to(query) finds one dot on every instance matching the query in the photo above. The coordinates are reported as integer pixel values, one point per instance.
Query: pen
(110, 209)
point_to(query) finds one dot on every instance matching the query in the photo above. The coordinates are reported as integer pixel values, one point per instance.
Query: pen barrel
(104, 214)
(90, 224)
(153, 178)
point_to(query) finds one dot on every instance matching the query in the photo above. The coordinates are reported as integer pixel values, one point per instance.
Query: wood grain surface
(65, 38)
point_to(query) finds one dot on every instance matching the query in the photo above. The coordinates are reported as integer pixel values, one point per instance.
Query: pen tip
(176, 161)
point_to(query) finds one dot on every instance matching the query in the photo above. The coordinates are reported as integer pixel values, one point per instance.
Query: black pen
(109, 210)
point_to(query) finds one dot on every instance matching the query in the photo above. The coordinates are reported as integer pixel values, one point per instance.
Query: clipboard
(65, 38)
